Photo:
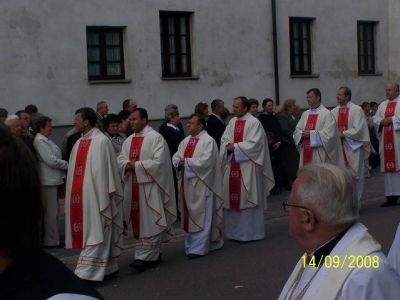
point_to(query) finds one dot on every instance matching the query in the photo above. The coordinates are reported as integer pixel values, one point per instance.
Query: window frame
(301, 21)
(102, 30)
(362, 43)
(165, 46)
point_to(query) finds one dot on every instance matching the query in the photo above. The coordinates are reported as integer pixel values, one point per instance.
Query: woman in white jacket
(52, 171)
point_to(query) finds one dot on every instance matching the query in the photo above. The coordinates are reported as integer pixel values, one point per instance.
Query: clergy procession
(126, 180)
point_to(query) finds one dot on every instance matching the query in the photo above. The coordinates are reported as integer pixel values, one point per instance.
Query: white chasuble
(324, 138)
(154, 210)
(200, 179)
(239, 169)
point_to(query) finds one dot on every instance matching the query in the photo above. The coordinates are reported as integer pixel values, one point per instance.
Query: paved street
(255, 270)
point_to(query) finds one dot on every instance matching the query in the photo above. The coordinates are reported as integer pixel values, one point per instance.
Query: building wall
(334, 45)
(394, 38)
(45, 56)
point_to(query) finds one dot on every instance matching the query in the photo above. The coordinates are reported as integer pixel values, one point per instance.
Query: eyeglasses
(285, 206)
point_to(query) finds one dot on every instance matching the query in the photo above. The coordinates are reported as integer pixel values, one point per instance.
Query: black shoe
(194, 256)
(390, 201)
(144, 265)
(111, 275)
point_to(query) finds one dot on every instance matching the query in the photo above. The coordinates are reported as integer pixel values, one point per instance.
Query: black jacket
(215, 128)
(172, 137)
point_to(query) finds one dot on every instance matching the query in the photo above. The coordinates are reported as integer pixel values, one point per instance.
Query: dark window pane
(93, 39)
(113, 69)
(93, 54)
(300, 46)
(94, 69)
(112, 38)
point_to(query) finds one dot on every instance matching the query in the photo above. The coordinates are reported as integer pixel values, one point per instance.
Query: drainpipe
(275, 46)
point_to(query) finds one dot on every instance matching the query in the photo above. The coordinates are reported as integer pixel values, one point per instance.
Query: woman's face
(47, 129)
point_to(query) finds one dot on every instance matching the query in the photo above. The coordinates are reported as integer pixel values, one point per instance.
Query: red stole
(134, 155)
(343, 124)
(389, 156)
(308, 151)
(235, 176)
(189, 150)
(76, 205)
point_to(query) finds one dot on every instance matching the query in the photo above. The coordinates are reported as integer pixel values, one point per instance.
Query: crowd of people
(125, 178)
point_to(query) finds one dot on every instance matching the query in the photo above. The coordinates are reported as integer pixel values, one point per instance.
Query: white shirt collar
(91, 133)
(316, 110)
(217, 116)
(199, 135)
(172, 126)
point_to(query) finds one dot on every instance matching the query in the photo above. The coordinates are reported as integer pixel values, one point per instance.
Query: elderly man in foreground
(342, 260)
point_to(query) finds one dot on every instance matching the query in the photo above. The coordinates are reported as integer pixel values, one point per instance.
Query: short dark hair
(253, 101)
(20, 112)
(111, 118)
(142, 113)
(200, 119)
(124, 114)
(20, 229)
(245, 102)
(89, 114)
(198, 109)
(125, 104)
(216, 103)
(373, 103)
(316, 92)
(3, 113)
(31, 109)
(266, 100)
(347, 91)
(41, 122)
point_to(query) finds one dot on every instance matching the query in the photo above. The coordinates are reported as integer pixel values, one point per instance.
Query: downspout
(275, 46)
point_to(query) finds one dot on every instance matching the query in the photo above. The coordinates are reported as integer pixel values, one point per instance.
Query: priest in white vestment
(341, 260)
(247, 174)
(394, 252)
(354, 134)
(387, 125)
(93, 201)
(149, 195)
(200, 187)
(316, 135)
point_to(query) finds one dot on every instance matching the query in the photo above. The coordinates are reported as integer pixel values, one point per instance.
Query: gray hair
(329, 192)
(170, 113)
(10, 120)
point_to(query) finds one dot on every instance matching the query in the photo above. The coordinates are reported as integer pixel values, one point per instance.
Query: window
(175, 44)
(105, 53)
(300, 46)
(366, 47)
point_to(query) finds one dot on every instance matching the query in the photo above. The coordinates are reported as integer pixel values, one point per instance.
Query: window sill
(374, 74)
(180, 78)
(305, 76)
(110, 81)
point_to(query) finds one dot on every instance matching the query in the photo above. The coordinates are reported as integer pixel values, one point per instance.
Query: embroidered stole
(343, 124)
(76, 205)
(189, 150)
(235, 176)
(134, 155)
(307, 150)
(389, 155)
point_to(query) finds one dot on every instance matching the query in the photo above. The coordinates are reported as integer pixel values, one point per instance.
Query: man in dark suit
(274, 134)
(215, 124)
(173, 134)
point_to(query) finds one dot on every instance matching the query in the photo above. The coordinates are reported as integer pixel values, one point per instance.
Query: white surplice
(356, 143)
(156, 191)
(394, 252)
(366, 282)
(101, 208)
(324, 140)
(252, 154)
(202, 191)
(391, 179)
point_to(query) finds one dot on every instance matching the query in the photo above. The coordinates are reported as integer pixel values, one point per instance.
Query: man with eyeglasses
(341, 260)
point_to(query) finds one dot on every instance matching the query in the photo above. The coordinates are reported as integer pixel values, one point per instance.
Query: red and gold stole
(308, 151)
(235, 176)
(343, 124)
(389, 155)
(76, 205)
(189, 150)
(134, 155)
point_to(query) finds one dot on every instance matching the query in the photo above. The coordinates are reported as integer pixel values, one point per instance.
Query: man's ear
(308, 220)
